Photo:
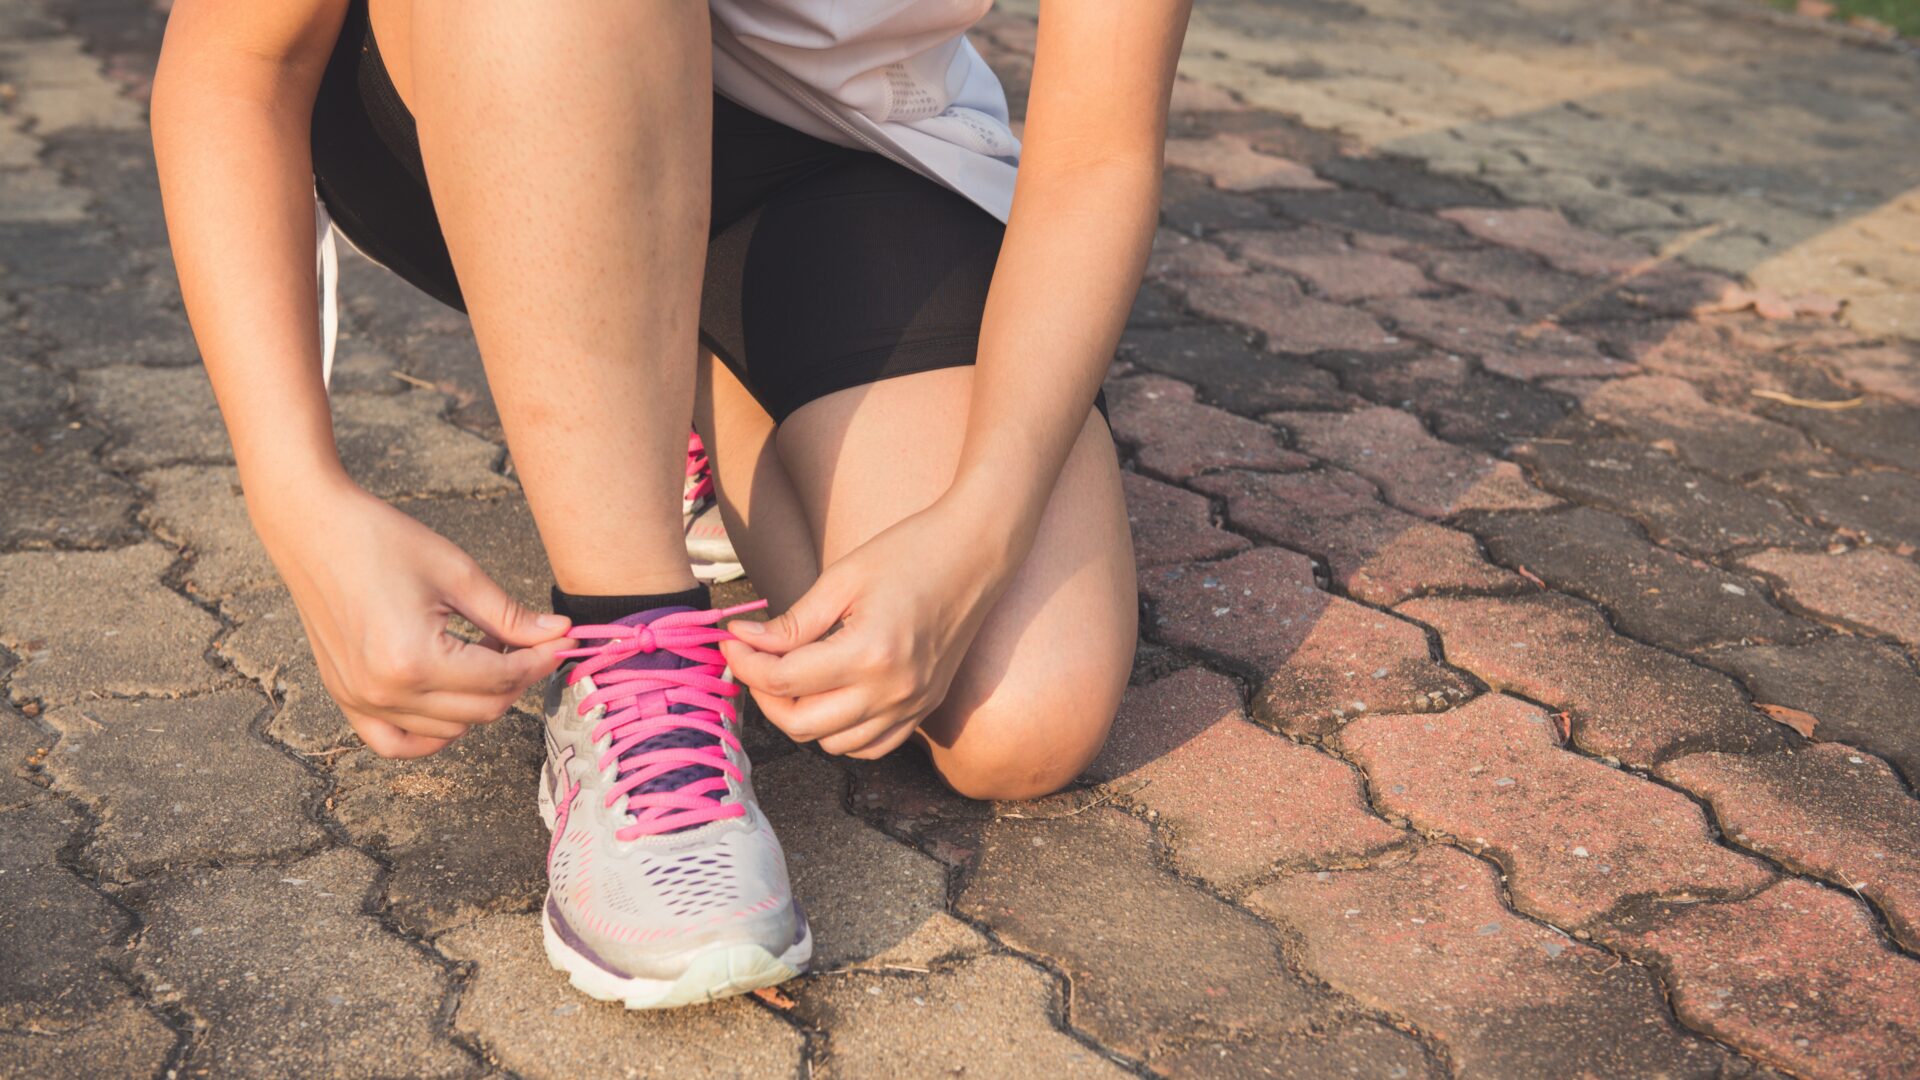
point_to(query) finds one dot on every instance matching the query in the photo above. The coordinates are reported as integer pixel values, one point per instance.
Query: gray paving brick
(56, 494)
(159, 416)
(57, 935)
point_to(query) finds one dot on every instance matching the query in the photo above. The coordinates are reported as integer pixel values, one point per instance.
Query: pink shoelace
(638, 702)
(699, 469)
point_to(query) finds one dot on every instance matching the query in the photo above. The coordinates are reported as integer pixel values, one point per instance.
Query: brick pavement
(1520, 694)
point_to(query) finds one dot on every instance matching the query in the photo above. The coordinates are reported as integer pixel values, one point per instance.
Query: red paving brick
(1797, 975)
(1551, 236)
(1827, 810)
(1626, 700)
(1869, 588)
(1172, 525)
(1667, 411)
(1176, 437)
(1575, 836)
(1322, 659)
(1429, 940)
(1292, 321)
(1506, 344)
(1177, 255)
(1376, 553)
(1341, 276)
(1232, 163)
(1415, 471)
(1237, 799)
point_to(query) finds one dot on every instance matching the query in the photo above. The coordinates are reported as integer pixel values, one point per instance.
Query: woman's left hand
(860, 660)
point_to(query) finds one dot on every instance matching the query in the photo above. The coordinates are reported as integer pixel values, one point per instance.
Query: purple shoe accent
(559, 923)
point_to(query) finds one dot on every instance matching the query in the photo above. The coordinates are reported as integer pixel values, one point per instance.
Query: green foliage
(1902, 15)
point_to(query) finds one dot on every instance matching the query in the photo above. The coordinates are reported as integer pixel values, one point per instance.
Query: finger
(499, 616)
(886, 744)
(817, 715)
(861, 736)
(807, 620)
(811, 669)
(466, 667)
(392, 741)
(466, 710)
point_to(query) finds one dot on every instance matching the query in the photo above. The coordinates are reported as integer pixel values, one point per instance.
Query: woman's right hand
(374, 589)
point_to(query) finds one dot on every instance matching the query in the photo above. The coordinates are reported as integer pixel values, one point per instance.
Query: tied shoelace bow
(699, 471)
(639, 706)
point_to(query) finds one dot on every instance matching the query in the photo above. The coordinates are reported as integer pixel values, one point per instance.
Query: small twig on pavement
(1807, 403)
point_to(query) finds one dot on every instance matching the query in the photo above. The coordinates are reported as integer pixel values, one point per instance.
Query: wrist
(290, 499)
(989, 519)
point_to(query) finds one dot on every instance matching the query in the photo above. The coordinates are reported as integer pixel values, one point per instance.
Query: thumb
(807, 620)
(499, 616)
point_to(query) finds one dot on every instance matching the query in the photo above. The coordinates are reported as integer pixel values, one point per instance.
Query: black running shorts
(827, 267)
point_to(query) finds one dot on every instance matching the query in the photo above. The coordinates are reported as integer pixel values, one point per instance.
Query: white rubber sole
(717, 573)
(722, 970)
(719, 971)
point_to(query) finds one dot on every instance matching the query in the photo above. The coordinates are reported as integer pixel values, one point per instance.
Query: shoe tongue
(676, 738)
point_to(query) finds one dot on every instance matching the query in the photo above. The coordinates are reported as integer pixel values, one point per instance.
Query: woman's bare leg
(1032, 702)
(568, 149)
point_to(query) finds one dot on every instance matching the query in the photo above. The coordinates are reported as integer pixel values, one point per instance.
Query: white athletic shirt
(898, 77)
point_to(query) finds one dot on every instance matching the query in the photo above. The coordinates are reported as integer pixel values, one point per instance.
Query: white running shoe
(708, 548)
(665, 883)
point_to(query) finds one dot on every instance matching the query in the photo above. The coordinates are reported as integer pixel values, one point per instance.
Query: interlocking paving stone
(1405, 182)
(1859, 692)
(1427, 939)
(31, 396)
(159, 416)
(289, 974)
(1176, 437)
(1625, 700)
(1796, 975)
(207, 790)
(1177, 255)
(1340, 276)
(459, 829)
(1720, 360)
(1890, 370)
(56, 494)
(270, 647)
(1825, 809)
(1877, 431)
(1505, 343)
(1321, 658)
(1463, 405)
(1548, 234)
(1652, 594)
(1415, 471)
(1232, 164)
(89, 623)
(1359, 210)
(1192, 205)
(1724, 441)
(1690, 510)
(1531, 288)
(526, 1018)
(1181, 742)
(1172, 525)
(1230, 373)
(1874, 507)
(56, 934)
(398, 444)
(1292, 321)
(121, 1039)
(1149, 960)
(1867, 587)
(1362, 1048)
(131, 323)
(58, 254)
(200, 508)
(1376, 553)
(1575, 837)
(21, 743)
(990, 1016)
(864, 893)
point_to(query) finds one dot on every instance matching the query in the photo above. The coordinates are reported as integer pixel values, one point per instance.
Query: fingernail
(550, 622)
(745, 626)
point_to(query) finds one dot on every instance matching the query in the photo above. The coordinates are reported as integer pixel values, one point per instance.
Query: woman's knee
(1026, 742)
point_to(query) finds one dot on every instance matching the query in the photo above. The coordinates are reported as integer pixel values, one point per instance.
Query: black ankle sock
(600, 610)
